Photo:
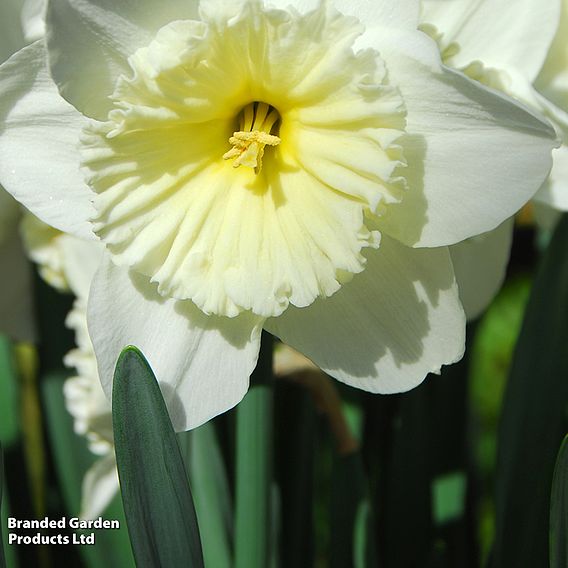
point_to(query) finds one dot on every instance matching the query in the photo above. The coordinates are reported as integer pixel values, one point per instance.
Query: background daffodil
(519, 49)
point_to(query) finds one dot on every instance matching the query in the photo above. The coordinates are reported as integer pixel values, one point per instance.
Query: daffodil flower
(33, 19)
(68, 264)
(552, 84)
(298, 166)
(84, 396)
(518, 48)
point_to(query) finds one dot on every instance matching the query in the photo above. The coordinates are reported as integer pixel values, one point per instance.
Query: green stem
(254, 466)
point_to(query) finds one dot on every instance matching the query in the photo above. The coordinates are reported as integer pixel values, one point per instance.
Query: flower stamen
(256, 122)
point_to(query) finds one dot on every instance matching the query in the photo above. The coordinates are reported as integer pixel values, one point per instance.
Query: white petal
(80, 262)
(203, 363)
(553, 78)
(480, 264)
(554, 192)
(401, 14)
(89, 42)
(501, 34)
(396, 13)
(41, 242)
(16, 313)
(171, 207)
(40, 160)
(387, 329)
(100, 485)
(527, 93)
(474, 156)
(33, 19)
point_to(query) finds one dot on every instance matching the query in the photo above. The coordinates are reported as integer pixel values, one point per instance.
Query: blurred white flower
(84, 397)
(259, 167)
(33, 19)
(552, 83)
(67, 264)
(91, 411)
(480, 265)
(43, 246)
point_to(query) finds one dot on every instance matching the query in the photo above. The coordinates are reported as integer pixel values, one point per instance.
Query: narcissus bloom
(296, 166)
(68, 264)
(512, 47)
(84, 396)
(518, 48)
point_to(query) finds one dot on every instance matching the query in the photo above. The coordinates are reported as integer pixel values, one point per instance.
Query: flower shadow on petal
(231, 329)
(174, 404)
(406, 220)
(506, 113)
(389, 327)
(12, 84)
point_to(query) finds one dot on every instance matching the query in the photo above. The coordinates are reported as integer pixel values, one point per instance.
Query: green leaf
(253, 516)
(2, 557)
(534, 419)
(9, 391)
(559, 510)
(211, 493)
(348, 494)
(421, 478)
(7, 551)
(491, 356)
(155, 491)
(405, 485)
(72, 460)
(69, 451)
(448, 497)
(296, 443)
(365, 554)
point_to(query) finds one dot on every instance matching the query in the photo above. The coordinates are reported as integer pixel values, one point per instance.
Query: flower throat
(256, 121)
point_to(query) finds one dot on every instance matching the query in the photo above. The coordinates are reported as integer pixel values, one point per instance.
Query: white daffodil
(91, 411)
(68, 264)
(518, 48)
(298, 166)
(15, 288)
(480, 266)
(84, 396)
(512, 47)
(33, 19)
(552, 84)
(44, 246)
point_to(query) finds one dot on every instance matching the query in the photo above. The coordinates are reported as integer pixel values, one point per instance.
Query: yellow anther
(257, 120)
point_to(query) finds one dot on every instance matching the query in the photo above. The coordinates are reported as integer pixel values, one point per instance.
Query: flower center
(170, 206)
(256, 122)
